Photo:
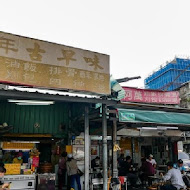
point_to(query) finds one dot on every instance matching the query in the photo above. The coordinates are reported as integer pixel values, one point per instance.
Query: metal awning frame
(15, 94)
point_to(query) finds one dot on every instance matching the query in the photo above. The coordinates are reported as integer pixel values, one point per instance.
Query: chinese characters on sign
(33, 62)
(7, 45)
(67, 56)
(94, 62)
(35, 53)
(150, 96)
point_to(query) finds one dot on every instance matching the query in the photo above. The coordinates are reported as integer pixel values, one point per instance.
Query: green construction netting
(159, 117)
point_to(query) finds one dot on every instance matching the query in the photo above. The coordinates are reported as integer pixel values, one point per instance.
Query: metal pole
(133, 149)
(115, 170)
(68, 128)
(86, 144)
(170, 148)
(104, 142)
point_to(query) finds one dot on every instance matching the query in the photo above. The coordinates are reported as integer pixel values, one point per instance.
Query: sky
(139, 35)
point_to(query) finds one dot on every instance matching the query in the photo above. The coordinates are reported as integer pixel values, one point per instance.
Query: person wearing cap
(151, 160)
(18, 159)
(174, 175)
(72, 171)
(179, 166)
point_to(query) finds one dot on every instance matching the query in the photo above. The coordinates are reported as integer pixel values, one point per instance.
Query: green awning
(157, 117)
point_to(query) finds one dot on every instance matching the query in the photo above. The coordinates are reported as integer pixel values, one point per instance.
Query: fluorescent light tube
(31, 102)
(159, 128)
(149, 128)
(165, 127)
(172, 127)
(25, 141)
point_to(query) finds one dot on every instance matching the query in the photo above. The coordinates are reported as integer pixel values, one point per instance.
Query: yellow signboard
(17, 146)
(69, 149)
(12, 169)
(36, 63)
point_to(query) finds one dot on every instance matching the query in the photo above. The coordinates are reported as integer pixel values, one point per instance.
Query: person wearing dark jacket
(120, 159)
(129, 171)
(121, 165)
(147, 169)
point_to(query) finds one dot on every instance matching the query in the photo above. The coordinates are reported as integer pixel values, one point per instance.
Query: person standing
(54, 159)
(72, 171)
(62, 170)
(151, 160)
(174, 175)
(18, 159)
(121, 165)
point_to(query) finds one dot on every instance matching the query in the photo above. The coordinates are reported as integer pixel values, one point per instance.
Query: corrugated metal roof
(41, 94)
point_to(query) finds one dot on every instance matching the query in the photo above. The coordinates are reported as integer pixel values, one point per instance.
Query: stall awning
(157, 117)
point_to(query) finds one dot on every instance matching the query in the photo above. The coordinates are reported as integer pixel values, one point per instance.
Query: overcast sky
(139, 35)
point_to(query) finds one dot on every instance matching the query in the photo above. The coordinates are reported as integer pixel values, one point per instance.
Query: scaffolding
(171, 76)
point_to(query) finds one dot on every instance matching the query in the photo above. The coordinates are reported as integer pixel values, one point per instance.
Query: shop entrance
(45, 152)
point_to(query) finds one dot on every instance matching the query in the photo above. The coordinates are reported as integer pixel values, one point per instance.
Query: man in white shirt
(151, 160)
(175, 177)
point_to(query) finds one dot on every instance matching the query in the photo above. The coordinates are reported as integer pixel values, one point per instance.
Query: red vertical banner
(35, 161)
(175, 148)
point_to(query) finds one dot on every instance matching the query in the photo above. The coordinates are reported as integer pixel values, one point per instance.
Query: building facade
(171, 76)
(184, 92)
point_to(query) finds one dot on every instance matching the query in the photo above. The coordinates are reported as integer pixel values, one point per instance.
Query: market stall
(21, 160)
(26, 166)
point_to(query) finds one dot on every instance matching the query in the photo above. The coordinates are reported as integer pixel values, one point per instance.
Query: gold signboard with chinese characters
(36, 63)
(17, 146)
(12, 169)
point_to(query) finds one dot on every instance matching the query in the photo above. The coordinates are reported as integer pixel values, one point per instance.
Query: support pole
(133, 149)
(68, 128)
(104, 142)
(170, 147)
(115, 170)
(86, 144)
